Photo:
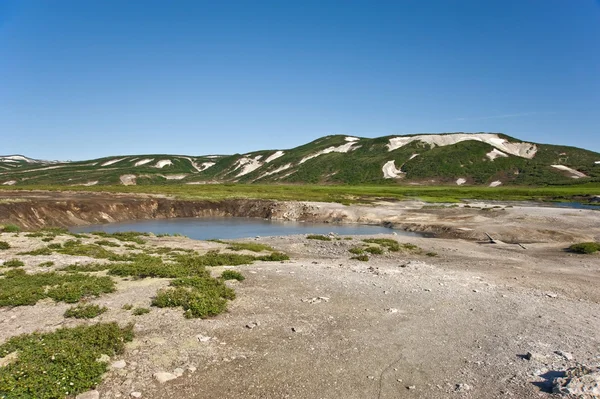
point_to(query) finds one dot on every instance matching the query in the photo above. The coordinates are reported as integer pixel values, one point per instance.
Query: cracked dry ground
(403, 325)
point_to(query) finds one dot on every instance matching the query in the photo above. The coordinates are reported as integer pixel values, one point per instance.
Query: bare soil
(402, 325)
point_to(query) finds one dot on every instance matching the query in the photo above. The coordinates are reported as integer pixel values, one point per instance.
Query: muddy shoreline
(520, 223)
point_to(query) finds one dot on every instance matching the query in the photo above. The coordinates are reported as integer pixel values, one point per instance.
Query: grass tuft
(362, 258)
(4, 245)
(11, 228)
(318, 237)
(85, 311)
(232, 275)
(13, 263)
(585, 247)
(140, 311)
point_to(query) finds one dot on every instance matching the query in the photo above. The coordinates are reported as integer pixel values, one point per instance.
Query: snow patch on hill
(248, 165)
(162, 163)
(597, 162)
(351, 138)
(112, 161)
(9, 183)
(390, 171)
(206, 165)
(19, 158)
(460, 181)
(274, 156)
(413, 156)
(128, 180)
(495, 183)
(523, 150)
(342, 149)
(575, 174)
(280, 169)
(175, 177)
(495, 154)
(143, 161)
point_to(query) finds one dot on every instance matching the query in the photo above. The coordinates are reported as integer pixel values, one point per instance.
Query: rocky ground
(478, 320)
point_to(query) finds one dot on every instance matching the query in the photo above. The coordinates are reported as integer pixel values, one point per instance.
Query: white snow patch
(91, 183)
(128, 180)
(17, 158)
(280, 169)
(523, 150)
(213, 156)
(206, 165)
(413, 156)
(390, 171)
(351, 139)
(461, 181)
(495, 154)
(143, 161)
(9, 183)
(495, 183)
(274, 156)
(162, 163)
(112, 161)
(248, 165)
(175, 177)
(575, 174)
(342, 148)
(597, 162)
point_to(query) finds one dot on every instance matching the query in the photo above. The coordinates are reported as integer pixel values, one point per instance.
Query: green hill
(426, 159)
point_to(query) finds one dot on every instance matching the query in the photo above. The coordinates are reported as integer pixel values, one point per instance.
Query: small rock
(252, 325)
(411, 387)
(462, 388)
(392, 310)
(103, 359)
(120, 364)
(163, 377)
(535, 356)
(192, 369)
(89, 395)
(565, 355)
(371, 377)
(578, 382)
(551, 295)
(135, 394)
(178, 372)
(475, 290)
(203, 338)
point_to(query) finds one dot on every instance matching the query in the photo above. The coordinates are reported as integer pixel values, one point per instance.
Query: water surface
(234, 227)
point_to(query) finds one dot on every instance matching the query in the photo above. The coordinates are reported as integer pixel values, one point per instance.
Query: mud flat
(447, 317)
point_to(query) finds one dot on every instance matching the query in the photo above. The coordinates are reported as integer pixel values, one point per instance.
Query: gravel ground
(403, 325)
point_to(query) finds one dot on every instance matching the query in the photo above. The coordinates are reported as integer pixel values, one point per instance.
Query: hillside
(453, 158)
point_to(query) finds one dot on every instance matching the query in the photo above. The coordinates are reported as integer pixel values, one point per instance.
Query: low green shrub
(85, 311)
(127, 306)
(232, 275)
(46, 264)
(318, 237)
(356, 250)
(11, 228)
(374, 250)
(13, 263)
(140, 311)
(585, 247)
(128, 236)
(362, 258)
(62, 363)
(107, 243)
(18, 288)
(4, 245)
(391, 245)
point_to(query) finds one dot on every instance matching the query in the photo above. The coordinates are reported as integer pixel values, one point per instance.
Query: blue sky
(84, 79)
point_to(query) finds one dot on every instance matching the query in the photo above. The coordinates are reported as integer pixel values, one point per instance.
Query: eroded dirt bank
(515, 224)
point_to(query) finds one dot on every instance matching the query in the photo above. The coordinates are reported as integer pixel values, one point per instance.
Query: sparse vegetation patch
(318, 237)
(232, 275)
(62, 363)
(4, 245)
(585, 247)
(85, 311)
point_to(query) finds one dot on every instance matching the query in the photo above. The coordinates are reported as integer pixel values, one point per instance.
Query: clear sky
(87, 78)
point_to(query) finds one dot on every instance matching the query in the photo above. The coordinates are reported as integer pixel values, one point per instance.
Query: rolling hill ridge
(491, 159)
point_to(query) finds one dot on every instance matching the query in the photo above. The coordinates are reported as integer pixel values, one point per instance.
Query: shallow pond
(232, 227)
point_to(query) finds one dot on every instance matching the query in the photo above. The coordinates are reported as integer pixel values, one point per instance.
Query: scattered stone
(578, 382)
(411, 387)
(163, 377)
(192, 369)
(203, 338)
(103, 359)
(120, 364)
(535, 356)
(178, 372)
(462, 388)
(392, 310)
(371, 377)
(316, 300)
(252, 325)
(475, 290)
(551, 295)
(89, 395)
(135, 394)
(8, 359)
(565, 355)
